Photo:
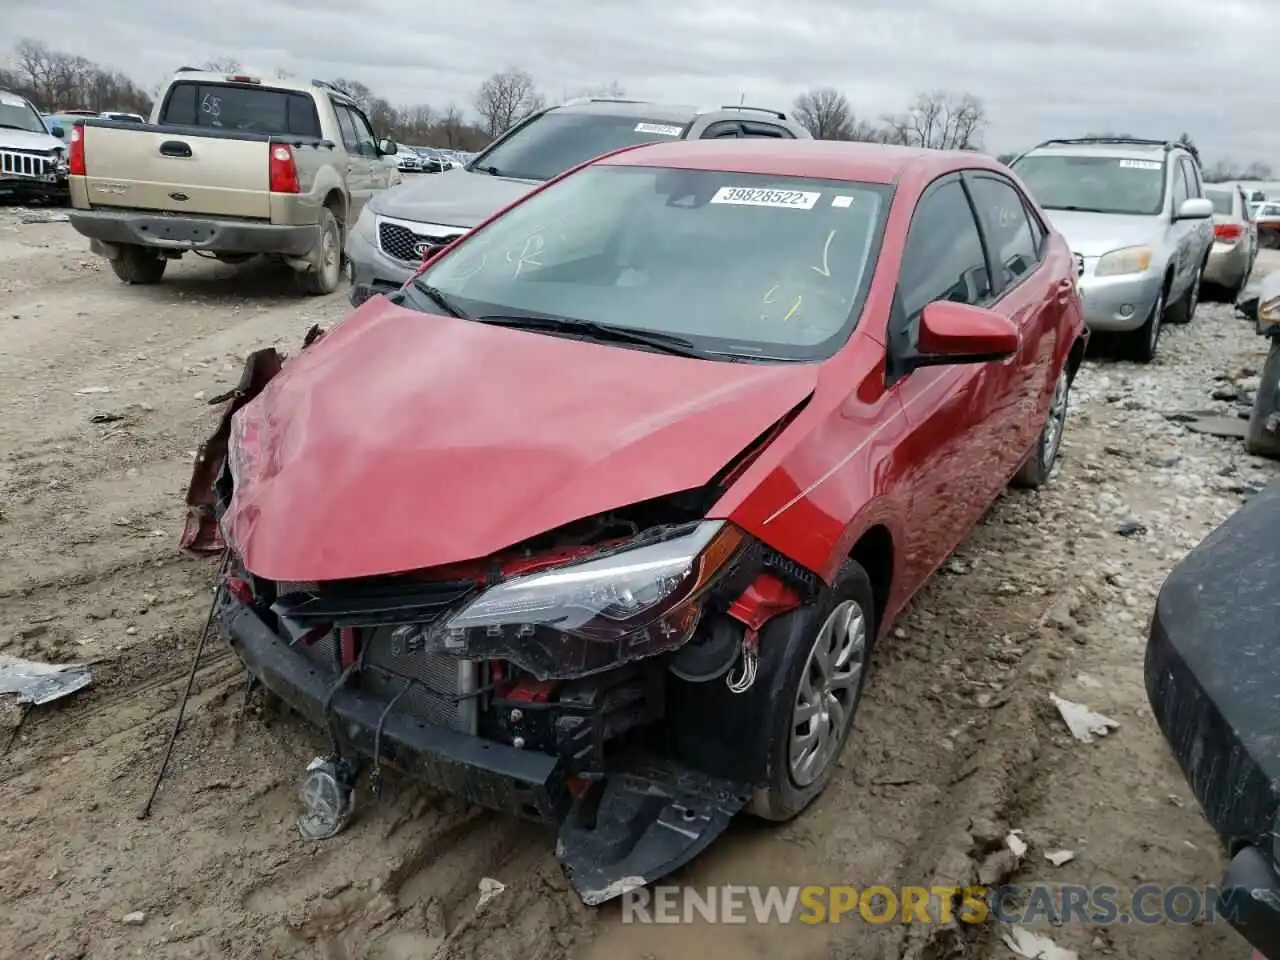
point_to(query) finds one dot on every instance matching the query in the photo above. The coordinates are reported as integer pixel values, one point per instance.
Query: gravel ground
(957, 743)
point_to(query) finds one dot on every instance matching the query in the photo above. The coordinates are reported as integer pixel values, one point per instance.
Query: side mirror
(1197, 208)
(959, 333)
(57, 131)
(388, 147)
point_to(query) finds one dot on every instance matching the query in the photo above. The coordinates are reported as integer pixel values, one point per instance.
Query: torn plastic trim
(37, 683)
(641, 824)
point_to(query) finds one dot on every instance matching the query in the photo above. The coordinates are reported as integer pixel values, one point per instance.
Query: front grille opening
(407, 246)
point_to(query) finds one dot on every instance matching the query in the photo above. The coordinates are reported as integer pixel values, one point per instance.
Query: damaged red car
(598, 519)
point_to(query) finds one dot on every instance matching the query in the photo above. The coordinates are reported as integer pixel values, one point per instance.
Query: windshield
(17, 114)
(557, 141)
(739, 264)
(1095, 184)
(1221, 200)
(249, 109)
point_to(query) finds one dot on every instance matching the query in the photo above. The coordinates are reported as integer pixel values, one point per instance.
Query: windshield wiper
(491, 170)
(665, 342)
(439, 298)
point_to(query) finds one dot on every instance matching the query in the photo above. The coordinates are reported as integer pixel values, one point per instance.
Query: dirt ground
(102, 388)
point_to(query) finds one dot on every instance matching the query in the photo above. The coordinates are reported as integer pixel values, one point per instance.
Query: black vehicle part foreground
(632, 827)
(1213, 681)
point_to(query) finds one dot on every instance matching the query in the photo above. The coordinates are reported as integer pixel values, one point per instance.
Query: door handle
(1064, 290)
(175, 148)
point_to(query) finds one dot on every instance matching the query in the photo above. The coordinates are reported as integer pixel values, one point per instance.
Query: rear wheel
(326, 259)
(139, 265)
(1035, 471)
(1259, 440)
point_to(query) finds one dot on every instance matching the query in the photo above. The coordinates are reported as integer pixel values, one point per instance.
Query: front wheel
(1140, 345)
(1184, 310)
(814, 661)
(139, 265)
(1034, 472)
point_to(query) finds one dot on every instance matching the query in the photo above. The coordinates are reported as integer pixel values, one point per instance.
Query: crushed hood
(1093, 234)
(455, 198)
(405, 440)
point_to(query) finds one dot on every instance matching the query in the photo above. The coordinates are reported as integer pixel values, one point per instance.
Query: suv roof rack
(575, 101)
(738, 106)
(1166, 145)
(332, 89)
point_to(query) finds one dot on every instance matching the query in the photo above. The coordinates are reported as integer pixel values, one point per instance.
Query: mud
(956, 742)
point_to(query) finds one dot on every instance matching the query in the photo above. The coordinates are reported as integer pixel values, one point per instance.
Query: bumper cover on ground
(1213, 679)
(194, 232)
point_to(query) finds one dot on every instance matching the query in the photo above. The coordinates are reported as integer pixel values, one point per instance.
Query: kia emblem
(422, 248)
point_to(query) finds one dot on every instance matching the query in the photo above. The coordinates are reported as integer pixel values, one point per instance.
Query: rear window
(241, 108)
(556, 141)
(1221, 201)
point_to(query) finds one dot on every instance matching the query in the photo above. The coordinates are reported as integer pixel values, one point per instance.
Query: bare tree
(222, 65)
(1258, 170)
(939, 121)
(506, 98)
(1223, 170)
(825, 113)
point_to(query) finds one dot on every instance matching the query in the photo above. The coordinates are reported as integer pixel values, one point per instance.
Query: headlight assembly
(642, 599)
(1125, 261)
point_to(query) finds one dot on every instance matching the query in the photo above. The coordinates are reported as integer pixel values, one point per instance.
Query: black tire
(786, 645)
(1140, 345)
(139, 265)
(1258, 439)
(1184, 310)
(1035, 470)
(326, 259)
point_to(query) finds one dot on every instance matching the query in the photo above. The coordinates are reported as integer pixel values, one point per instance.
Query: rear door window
(247, 109)
(1009, 233)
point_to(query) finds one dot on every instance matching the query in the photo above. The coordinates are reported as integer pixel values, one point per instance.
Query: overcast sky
(1048, 68)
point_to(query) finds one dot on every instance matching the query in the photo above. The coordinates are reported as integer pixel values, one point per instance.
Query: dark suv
(399, 227)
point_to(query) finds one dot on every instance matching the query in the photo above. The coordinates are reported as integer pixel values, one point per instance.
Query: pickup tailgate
(174, 169)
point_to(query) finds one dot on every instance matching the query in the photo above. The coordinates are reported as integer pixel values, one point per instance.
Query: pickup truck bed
(190, 188)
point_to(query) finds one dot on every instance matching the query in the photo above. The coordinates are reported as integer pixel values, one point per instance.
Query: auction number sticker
(758, 197)
(661, 129)
(9, 100)
(1141, 164)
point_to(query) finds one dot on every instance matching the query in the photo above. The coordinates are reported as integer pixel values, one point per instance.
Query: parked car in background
(1135, 214)
(432, 161)
(1235, 240)
(234, 166)
(1267, 217)
(390, 240)
(737, 460)
(407, 159)
(121, 117)
(33, 160)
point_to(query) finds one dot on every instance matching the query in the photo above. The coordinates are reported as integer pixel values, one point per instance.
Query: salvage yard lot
(103, 387)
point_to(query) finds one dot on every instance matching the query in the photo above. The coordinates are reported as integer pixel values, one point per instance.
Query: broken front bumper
(523, 783)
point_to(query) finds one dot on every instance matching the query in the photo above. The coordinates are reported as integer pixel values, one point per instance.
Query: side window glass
(364, 133)
(723, 129)
(944, 258)
(1004, 217)
(1180, 188)
(766, 130)
(1038, 232)
(350, 142)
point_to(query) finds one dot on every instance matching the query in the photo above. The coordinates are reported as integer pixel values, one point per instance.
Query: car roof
(645, 109)
(821, 159)
(1121, 151)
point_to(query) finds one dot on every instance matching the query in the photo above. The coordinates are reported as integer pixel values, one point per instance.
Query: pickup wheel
(139, 264)
(326, 259)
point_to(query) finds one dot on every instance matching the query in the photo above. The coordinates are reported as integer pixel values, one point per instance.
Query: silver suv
(400, 227)
(1135, 213)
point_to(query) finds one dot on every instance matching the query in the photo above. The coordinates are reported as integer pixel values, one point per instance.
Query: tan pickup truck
(230, 166)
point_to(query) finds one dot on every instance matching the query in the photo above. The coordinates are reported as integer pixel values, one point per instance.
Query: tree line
(55, 80)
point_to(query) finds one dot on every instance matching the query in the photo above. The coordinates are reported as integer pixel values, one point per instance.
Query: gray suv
(1135, 213)
(399, 227)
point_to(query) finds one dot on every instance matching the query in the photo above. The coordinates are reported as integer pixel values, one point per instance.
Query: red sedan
(598, 519)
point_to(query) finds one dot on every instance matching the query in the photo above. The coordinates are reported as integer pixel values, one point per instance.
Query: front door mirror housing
(388, 148)
(1196, 208)
(950, 333)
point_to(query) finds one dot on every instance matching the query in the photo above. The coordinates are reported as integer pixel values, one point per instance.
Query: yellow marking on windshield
(794, 309)
(825, 269)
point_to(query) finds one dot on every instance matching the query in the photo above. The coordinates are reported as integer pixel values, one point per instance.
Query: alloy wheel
(1054, 426)
(829, 687)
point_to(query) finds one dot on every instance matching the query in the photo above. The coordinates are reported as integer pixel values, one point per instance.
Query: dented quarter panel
(405, 441)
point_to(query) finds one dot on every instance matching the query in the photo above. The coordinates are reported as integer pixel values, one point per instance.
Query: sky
(1050, 68)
